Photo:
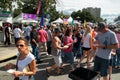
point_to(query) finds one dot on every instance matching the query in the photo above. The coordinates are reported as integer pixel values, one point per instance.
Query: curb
(6, 58)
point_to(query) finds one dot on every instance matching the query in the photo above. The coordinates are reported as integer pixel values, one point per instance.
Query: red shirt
(43, 35)
(66, 41)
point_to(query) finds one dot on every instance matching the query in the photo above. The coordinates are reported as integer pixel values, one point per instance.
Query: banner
(5, 13)
(72, 23)
(85, 23)
(29, 16)
(42, 19)
(39, 5)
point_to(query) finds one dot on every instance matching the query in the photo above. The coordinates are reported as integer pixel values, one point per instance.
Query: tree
(19, 9)
(6, 5)
(48, 6)
(30, 6)
(117, 19)
(85, 15)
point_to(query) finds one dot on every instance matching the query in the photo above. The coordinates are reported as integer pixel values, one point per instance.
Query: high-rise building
(94, 11)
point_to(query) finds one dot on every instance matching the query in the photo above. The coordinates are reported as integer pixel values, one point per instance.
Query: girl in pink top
(68, 52)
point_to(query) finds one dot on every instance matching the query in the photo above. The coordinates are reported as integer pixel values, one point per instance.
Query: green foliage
(30, 6)
(47, 6)
(6, 4)
(117, 19)
(85, 15)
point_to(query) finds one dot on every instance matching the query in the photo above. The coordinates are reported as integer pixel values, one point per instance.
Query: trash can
(83, 74)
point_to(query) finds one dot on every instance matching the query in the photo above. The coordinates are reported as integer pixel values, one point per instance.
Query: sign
(5, 14)
(29, 16)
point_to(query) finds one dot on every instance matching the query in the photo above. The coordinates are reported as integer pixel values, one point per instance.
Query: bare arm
(57, 46)
(32, 71)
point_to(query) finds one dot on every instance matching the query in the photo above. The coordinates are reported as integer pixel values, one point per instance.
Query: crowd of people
(97, 43)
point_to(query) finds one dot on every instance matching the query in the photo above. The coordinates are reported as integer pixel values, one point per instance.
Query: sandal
(60, 73)
(48, 73)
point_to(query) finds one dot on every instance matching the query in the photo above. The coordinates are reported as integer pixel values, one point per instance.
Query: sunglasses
(19, 45)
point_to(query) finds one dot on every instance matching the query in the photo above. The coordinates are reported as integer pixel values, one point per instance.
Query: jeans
(77, 51)
(69, 56)
(35, 52)
(27, 37)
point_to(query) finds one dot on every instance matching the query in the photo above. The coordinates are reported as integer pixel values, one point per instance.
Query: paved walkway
(7, 52)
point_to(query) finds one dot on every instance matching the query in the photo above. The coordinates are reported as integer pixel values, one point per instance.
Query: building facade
(95, 11)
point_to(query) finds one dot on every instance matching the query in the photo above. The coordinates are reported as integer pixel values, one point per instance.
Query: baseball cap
(101, 26)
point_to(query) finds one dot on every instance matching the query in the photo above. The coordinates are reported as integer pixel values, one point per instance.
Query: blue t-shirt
(105, 38)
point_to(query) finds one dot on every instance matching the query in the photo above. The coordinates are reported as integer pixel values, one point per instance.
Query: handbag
(27, 69)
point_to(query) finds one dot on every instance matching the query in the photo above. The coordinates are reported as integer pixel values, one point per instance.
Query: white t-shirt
(17, 32)
(23, 63)
(86, 43)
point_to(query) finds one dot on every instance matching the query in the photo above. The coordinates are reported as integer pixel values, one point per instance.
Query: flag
(85, 23)
(72, 23)
(39, 5)
(42, 19)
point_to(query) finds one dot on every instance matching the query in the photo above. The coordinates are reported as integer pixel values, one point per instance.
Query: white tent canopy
(29, 21)
(19, 18)
(6, 19)
(59, 20)
(70, 19)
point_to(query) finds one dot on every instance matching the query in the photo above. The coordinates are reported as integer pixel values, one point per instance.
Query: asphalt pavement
(10, 52)
(7, 52)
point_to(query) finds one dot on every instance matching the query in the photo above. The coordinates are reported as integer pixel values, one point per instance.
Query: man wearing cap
(106, 41)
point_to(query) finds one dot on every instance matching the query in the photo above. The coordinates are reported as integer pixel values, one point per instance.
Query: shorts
(111, 62)
(57, 60)
(86, 49)
(44, 45)
(101, 65)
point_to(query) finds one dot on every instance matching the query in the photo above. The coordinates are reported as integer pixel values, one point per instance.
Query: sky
(107, 6)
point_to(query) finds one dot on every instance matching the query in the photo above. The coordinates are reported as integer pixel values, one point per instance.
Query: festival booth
(5, 18)
(25, 17)
(70, 19)
(59, 20)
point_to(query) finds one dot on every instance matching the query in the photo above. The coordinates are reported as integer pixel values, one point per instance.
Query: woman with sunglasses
(24, 58)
